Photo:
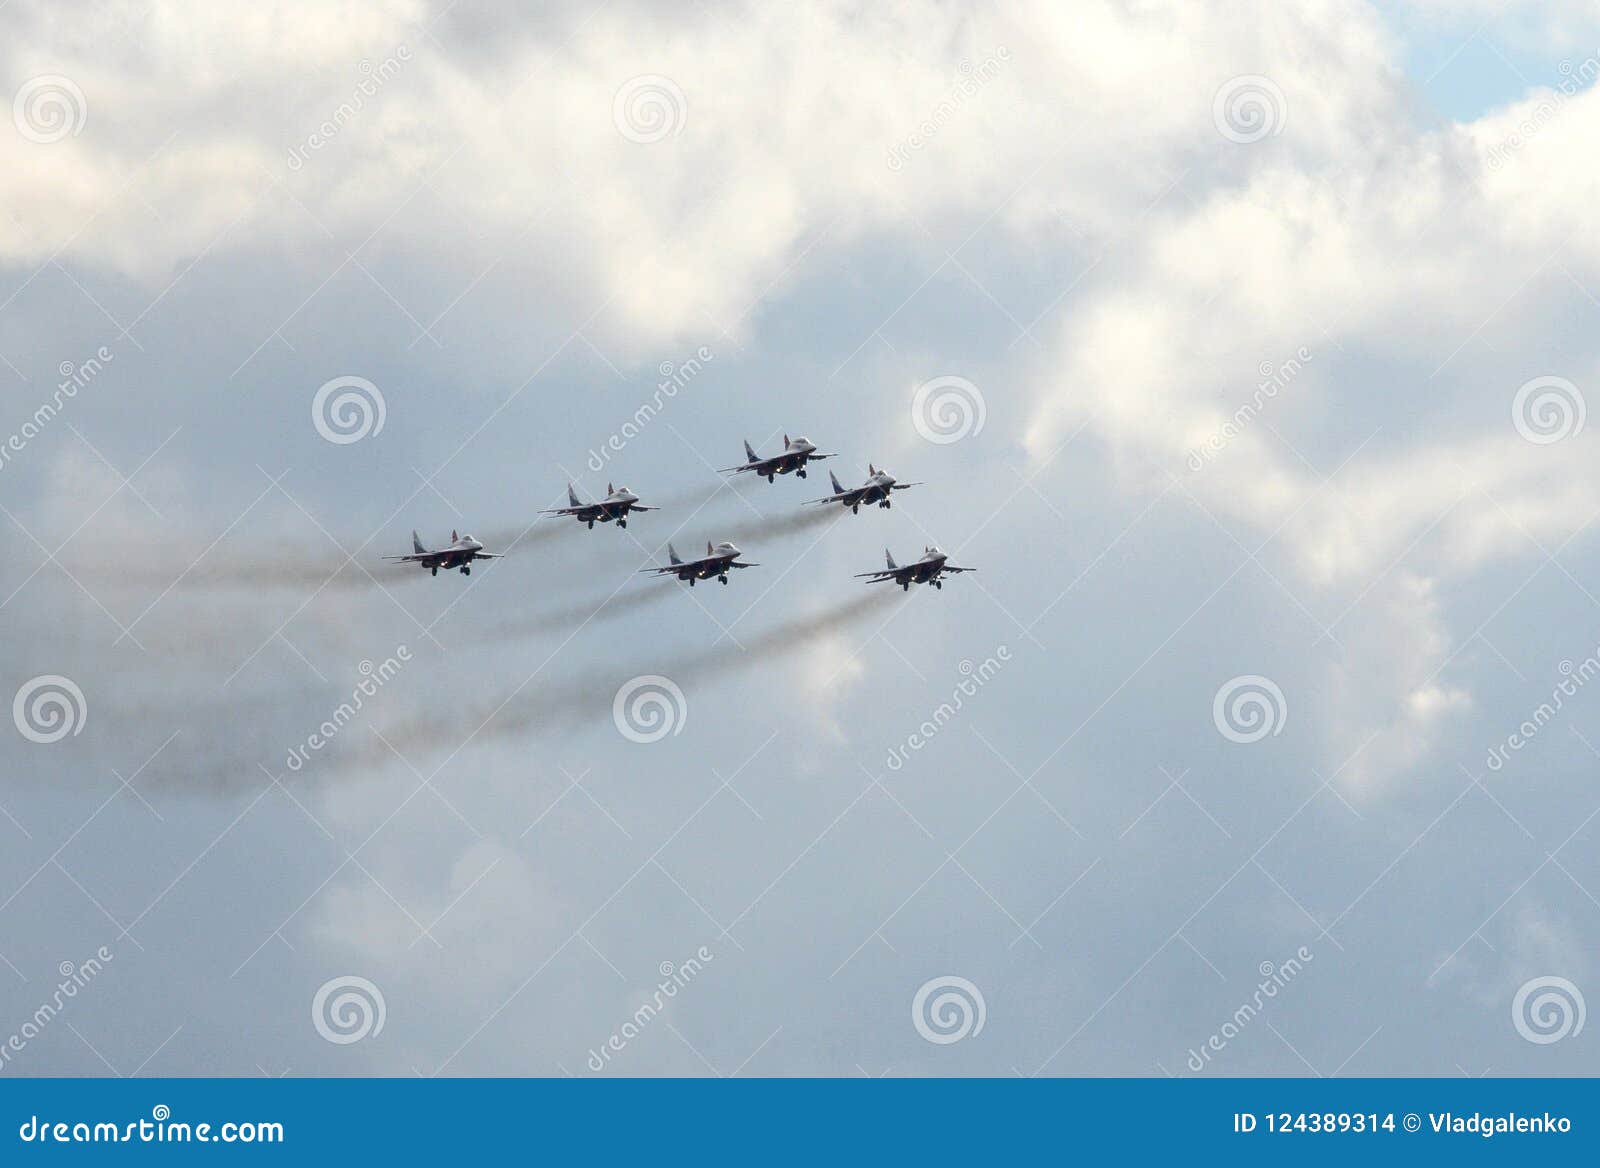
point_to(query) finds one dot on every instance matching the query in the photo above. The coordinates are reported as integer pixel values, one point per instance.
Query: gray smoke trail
(221, 753)
(566, 702)
(547, 528)
(192, 568)
(577, 614)
(317, 563)
(582, 612)
(782, 525)
(694, 498)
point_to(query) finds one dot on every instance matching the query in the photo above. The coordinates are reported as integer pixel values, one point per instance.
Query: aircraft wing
(497, 556)
(411, 559)
(737, 564)
(757, 465)
(636, 507)
(878, 577)
(842, 497)
(903, 486)
(564, 510)
(953, 568)
(689, 565)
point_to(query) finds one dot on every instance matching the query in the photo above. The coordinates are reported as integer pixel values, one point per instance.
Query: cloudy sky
(1244, 349)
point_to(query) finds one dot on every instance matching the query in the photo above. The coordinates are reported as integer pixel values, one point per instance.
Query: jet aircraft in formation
(721, 558)
(614, 507)
(879, 488)
(793, 457)
(715, 562)
(463, 549)
(933, 564)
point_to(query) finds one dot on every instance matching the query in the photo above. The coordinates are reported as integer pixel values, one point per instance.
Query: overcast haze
(1245, 349)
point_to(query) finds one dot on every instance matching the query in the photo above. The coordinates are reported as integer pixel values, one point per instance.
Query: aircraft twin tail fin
(672, 554)
(838, 488)
(572, 496)
(416, 543)
(749, 452)
(888, 557)
(708, 547)
(454, 538)
(786, 442)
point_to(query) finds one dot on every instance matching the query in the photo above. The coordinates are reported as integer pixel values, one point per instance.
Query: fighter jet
(927, 570)
(615, 506)
(462, 551)
(795, 455)
(716, 562)
(877, 489)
